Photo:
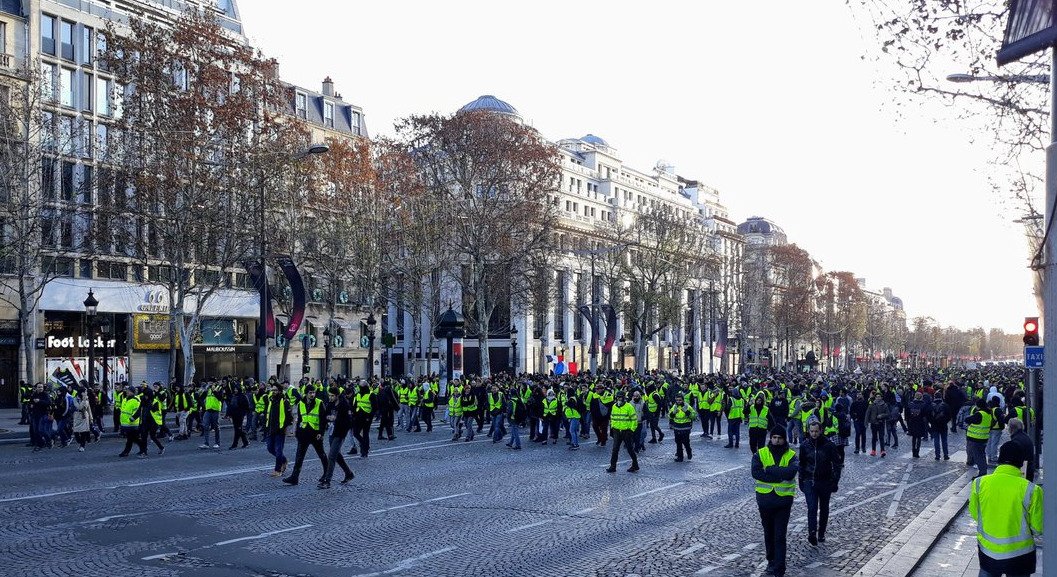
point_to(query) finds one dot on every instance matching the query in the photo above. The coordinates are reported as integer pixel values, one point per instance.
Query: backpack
(893, 412)
(843, 425)
(915, 410)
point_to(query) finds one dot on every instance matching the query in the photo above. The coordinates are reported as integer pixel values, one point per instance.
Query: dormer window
(301, 105)
(328, 114)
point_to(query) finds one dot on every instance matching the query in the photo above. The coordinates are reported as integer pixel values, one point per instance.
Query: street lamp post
(513, 350)
(370, 344)
(262, 328)
(90, 306)
(326, 354)
(104, 329)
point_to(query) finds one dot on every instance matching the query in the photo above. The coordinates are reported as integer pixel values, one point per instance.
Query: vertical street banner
(259, 278)
(611, 328)
(298, 294)
(721, 340)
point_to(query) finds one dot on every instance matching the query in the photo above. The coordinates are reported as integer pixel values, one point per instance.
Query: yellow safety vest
(982, 430)
(130, 412)
(1008, 510)
(623, 418)
(310, 418)
(758, 420)
(782, 488)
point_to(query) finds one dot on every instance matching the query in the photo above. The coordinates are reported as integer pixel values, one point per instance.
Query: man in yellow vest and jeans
(1008, 512)
(774, 468)
(977, 433)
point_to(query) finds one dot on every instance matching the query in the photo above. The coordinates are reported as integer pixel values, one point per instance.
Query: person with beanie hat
(1008, 511)
(820, 468)
(774, 468)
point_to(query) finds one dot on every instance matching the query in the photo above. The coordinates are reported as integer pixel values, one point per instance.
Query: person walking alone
(276, 419)
(339, 415)
(774, 468)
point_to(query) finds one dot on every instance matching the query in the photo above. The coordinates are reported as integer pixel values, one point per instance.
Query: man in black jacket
(339, 415)
(387, 405)
(820, 468)
(774, 468)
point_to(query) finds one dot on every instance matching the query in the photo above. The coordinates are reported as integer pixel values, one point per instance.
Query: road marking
(109, 517)
(815, 565)
(446, 497)
(691, 549)
(706, 570)
(407, 563)
(413, 449)
(261, 535)
(406, 505)
(625, 461)
(717, 473)
(878, 496)
(731, 556)
(583, 511)
(750, 546)
(228, 542)
(530, 525)
(657, 490)
(840, 553)
(196, 477)
(899, 492)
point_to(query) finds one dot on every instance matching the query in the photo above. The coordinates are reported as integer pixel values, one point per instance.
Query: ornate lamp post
(104, 329)
(90, 306)
(370, 344)
(326, 354)
(513, 350)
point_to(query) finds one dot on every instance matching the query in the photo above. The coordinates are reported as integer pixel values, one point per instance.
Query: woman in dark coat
(917, 416)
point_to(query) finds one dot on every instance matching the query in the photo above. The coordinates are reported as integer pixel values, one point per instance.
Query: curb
(905, 551)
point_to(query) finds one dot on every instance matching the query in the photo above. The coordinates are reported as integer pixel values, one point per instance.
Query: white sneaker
(80, 449)
(203, 446)
(216, 446)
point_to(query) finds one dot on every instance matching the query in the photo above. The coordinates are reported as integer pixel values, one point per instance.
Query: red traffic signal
(1031, 331)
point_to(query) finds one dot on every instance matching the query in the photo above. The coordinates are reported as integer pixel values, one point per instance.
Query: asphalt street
(423, 505)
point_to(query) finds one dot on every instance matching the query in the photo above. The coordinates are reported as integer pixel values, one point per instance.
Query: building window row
(68, 40)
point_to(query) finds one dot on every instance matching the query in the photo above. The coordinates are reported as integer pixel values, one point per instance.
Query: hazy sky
(782, 115)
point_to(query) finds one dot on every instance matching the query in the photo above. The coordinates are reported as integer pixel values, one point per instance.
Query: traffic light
(1031, 331)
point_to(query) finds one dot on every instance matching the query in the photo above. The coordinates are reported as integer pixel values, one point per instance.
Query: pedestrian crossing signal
(1031, 331)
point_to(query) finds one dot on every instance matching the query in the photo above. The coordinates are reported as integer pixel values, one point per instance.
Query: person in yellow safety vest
(716, 412)
(735, 413)
(551, 420)
(693, 396)
(429, 404)
(211, 417)
(681, 418)
(259, 396)
(774, 468)
(401, 394)
(654, 401)
(131, 416)
(759, 417)
(1007, 509)
(977, 433)
(574, 410)
(624, 420)
(364, 405)
(309, 433)
(468, 408)
(152, 425)
(276, 418)
(497, 409)
(414, 398)
(454, 408)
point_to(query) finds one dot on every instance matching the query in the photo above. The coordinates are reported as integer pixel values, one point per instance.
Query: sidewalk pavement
(955, 554)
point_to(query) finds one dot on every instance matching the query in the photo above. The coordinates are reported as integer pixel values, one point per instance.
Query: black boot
(812, 538)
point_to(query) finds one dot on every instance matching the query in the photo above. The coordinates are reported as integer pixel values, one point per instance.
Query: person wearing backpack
(917, 423)
(939, 415)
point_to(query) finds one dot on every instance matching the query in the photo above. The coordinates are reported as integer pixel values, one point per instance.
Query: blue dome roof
(490, 103)
(597, 140)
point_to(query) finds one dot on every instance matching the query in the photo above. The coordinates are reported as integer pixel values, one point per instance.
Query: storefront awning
(68, 294)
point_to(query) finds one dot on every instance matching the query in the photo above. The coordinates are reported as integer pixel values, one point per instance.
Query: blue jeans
(937, 438)
(860, 435)
(497, 427)
(977, 451)
(64, 437)
(733, 432)
(275, 447)
(792, 430)
(817, 507)
(412, 418)
(994, 440)
(574, 432)
(515, 435)
(585, 424)
(44, 432)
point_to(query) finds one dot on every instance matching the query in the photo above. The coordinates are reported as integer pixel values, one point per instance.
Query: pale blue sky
(782, 115)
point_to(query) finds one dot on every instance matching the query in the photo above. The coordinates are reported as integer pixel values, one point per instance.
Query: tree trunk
(283, 366)
(28, 348)
(186, 343)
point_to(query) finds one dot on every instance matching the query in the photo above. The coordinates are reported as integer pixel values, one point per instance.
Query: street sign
(1033, 357)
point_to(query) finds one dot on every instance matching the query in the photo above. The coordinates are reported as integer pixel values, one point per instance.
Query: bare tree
(200, 121)
(494, 176)
(45, 210)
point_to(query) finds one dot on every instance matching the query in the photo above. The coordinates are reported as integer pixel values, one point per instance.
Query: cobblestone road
(422, 505)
